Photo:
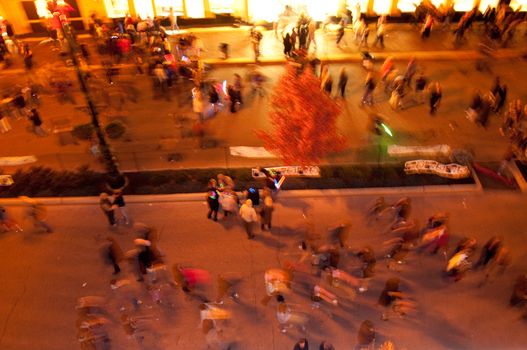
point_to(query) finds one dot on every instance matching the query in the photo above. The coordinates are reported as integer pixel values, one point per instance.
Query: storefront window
(382, 7)
(265, 10)
(320, 10)
(463, 5)
(407, 6)
(144, 9)
(486, 3)
(363, 4)
(221, 6)
(116, 8)
(42, 8)
(195, 8)
(163, 7)
(516, 4)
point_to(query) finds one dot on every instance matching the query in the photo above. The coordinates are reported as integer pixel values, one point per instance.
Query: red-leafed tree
(304, 120)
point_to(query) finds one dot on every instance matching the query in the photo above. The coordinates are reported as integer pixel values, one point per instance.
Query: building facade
(30, 15)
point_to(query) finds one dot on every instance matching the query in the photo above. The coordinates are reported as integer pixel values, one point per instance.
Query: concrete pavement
(44, 274)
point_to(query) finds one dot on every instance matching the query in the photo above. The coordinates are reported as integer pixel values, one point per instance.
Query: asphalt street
(43, 275)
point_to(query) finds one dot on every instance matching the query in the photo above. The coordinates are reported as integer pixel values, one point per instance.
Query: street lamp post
(109, 159)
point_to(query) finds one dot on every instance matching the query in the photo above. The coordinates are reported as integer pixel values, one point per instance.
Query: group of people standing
(256, 207)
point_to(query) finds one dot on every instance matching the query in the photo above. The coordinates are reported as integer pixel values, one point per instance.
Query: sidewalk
(402, 42)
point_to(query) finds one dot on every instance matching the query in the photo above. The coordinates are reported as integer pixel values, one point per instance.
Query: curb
(200, 197)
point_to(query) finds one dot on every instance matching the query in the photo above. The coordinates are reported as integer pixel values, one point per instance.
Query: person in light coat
(249, 217)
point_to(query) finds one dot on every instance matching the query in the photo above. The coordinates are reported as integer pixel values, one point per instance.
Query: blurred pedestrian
(343, 81)
(366, 334)
(36, 121)
(213, 200)
(302, 344)
(379, 35)
(6, 223)
(287, 44)
(28, 57)
(326, 346)
(37, 213)
(435, 97)
(369, 86)
(107, 208)
(266, 213)
(311, 29)
(229, 202)
(411, 69)
(249, 217)
(118, 200)
(115, 254)
(340, 34)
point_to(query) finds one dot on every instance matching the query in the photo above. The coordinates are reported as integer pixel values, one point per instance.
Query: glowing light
(382, 7)
(386, 129)
(486, 3)
(116, 8)
(516, 4)
(163, 7)
(42, 8)
(144, 9)
(463, 5)
(195, 9)
(407, 5)
(319, 10)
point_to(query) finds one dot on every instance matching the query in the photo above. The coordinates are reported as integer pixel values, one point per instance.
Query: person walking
(411, 69)
(302, 344)
(379, 34)
(36, 121)
(343, 81)
(326, 346)
(249, 217)
(365, 32)
(213, 200)
(107, 208)
(118, 200)
(115, 254)
(28, 57)
(367, 98)
(311, 29)
(266, 213)
(37, 212)
(435, 97)
(340, 34)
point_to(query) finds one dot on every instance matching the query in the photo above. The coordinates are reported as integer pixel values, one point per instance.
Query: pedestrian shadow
(296, 203)
(270, 241)
(286, 232)
(229, 223)
(444, 332)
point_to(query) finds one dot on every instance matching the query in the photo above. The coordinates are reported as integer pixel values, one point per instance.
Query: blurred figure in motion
(37, 213)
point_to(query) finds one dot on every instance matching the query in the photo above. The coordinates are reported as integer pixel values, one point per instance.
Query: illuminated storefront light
(163, 7)
(516, 4)
(221, 6)
(483, 4)
(463, 5)
(195, 8)
(320, 10)
(406, 6)
(265, 10)
(382, 7)
(42, 8)
(116, 8)
(144, 8)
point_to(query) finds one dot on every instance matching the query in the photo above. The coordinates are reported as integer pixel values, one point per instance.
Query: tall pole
(110, 161)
